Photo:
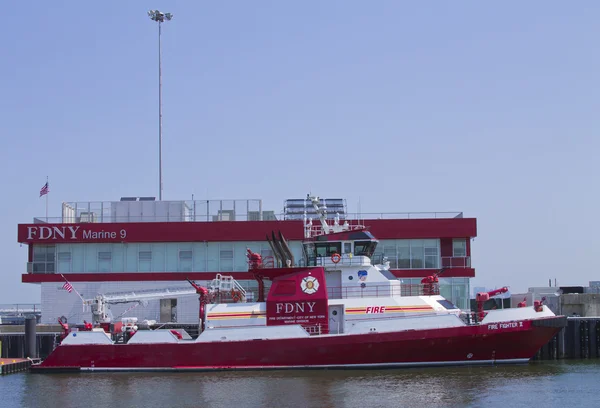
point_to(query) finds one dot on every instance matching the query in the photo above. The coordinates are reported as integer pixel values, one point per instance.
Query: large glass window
(417, 254)
(104, 261)
(456, 290)
(409, 253)
(459, 248)
(432, 253)
(403, 246)
(185, 260)
(226, 257)
(43, 258)
(158, 258)
(216, 256)
(199, 257)
(145, 258)
(389, 252)
(63, 262)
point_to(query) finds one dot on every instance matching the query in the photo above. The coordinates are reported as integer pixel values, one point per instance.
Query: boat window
(364, 248)
(347, 247)
(388, 274)
(309, 248)
(447, 304)
(325, 249)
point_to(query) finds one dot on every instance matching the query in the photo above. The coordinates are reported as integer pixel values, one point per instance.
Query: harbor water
(539, 383)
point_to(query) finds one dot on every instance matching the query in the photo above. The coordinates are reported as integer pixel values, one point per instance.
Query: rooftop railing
(200, 211)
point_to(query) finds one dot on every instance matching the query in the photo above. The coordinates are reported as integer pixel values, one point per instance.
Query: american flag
(45, 189)
(68, 287)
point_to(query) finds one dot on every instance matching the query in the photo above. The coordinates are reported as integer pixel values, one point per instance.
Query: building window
(185, 261)
(403, 254)
(389, 252)
(104, 261)
(64, 262)
(431, 258)
(226, 258)
(145, 261)
(43, 258)
(409, 253)
(417, 254)
(267, 256)
(459, 248)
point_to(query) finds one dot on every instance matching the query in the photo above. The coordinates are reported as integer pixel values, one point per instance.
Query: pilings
(13, 365)
(579, 340)
(31, 349)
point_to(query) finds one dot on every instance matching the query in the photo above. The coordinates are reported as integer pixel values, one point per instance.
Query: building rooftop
(146, 209)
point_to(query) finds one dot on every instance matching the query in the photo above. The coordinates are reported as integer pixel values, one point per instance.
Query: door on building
(336, 319)
(168, 310)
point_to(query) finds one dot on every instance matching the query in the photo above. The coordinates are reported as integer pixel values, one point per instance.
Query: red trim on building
(224, 231)
(182, 276)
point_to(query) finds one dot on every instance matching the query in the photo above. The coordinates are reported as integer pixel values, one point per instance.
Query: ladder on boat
(225, 284)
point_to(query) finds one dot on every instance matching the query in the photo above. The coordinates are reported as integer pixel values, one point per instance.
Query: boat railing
(313, 330)
(399, 262)
(374, 291)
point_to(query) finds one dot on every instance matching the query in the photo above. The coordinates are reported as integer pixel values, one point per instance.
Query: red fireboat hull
(480, 344)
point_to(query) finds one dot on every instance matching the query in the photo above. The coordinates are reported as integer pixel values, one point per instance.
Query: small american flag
(45, 190)
(68, 287)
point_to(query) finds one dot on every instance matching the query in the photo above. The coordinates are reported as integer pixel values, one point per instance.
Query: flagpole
(81, 297)
(47, 198)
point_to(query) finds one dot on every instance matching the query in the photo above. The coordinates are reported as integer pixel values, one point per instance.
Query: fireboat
(332, 309)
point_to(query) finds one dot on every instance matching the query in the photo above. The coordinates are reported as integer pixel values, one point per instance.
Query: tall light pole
(159, 17)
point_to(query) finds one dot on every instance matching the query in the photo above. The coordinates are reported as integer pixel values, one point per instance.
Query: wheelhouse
(354, 243)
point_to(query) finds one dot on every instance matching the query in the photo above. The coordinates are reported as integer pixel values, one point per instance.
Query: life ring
(236, 296)
(335, 258)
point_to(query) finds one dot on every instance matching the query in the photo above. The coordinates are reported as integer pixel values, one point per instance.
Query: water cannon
(254, 259)
(204, 294)
(483, 297)
(65, 327)
(431, 283)
(538, 305)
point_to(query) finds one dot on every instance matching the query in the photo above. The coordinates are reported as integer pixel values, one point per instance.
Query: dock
(579, 340)
(14, 365)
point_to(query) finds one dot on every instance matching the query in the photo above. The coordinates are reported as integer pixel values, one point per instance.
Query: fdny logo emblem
(309, 285)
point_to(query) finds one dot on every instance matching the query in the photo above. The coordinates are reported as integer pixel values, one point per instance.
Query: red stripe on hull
(468, 344)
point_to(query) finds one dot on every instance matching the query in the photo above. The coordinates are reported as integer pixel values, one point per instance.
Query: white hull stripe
(325, 366)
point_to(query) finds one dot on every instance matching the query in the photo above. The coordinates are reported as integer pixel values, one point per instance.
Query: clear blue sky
(490, 109)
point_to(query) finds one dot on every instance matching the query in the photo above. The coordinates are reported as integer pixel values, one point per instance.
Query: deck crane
(222, 288)
(99, 305)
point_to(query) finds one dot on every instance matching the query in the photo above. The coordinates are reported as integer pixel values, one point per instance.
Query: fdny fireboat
(332, 309)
